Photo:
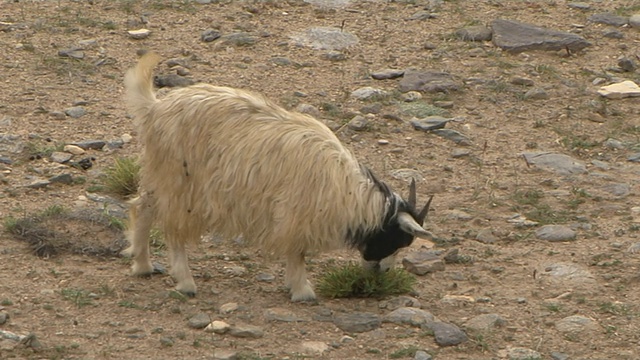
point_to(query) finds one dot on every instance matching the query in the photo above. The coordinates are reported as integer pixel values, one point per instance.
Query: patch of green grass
(614, 308)
(528, 197)
(353, 280)
(129, 304)
(421, 109)
(122, 177)
(78, 296)
(544, 215)
(6, 302)
(553, 307)
(67, 66)
(578, 142)
(35, 149)
(409, 351)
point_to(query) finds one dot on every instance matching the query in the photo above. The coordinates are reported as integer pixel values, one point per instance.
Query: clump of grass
(421, 109)
(122, 178)
(353, 280)
(79, 297)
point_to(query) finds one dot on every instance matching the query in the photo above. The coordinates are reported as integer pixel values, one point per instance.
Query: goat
(232, 162)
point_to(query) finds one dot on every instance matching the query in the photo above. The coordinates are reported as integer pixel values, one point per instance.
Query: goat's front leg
(296, 279)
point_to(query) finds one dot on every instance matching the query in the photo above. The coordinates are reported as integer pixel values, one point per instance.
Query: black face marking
(389, 238)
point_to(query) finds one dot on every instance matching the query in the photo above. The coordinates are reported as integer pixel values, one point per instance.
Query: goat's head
(401, 225)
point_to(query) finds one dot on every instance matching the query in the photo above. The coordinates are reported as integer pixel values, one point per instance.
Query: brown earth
(83, 306)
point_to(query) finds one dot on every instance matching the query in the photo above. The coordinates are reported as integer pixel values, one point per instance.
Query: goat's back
(232, 162)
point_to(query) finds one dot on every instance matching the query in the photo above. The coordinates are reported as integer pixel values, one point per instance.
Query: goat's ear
(410, 226)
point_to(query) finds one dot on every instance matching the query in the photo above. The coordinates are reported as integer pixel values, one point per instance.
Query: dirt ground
(85, 305)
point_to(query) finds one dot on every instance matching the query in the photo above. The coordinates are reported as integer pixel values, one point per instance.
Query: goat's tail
(138, 83)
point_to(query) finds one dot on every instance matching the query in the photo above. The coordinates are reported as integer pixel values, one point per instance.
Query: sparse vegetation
(353, 280)
(122, 177)
(79, 297)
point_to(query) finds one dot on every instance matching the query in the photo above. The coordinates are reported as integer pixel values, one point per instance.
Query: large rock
(514, 36)
(620, 90)
(559, 163)
(357, 322)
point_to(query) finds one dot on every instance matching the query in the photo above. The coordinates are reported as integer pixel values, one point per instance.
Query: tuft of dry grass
(123, 177)
(352, 280)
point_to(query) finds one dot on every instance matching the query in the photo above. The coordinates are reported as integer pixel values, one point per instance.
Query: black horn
(412, 193)
(425, 210)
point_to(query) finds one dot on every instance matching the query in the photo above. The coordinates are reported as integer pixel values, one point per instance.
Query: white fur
(232, 162)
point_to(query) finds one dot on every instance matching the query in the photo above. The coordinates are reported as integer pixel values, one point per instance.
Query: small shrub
(353, 280)
(122, 178)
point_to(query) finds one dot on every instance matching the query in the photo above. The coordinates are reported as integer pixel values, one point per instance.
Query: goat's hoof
(142, 270)
(188, 293)
(305, 295)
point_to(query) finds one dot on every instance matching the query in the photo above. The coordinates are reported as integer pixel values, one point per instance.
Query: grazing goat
(231, 162)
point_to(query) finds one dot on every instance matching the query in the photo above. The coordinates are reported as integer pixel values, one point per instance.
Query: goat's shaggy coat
(231, 162)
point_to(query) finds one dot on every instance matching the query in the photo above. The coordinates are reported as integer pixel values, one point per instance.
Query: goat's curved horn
(425, 211)
(410, 226)
(412, 194)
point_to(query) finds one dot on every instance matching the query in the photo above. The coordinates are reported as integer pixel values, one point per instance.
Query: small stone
(228, 308)
(62, 179)
(217, 327)
(536, 94)
(411, 96)
(357, 322)
(3, 317)
(367, 92)
(410, 316)
(634, 20)
(579, 5)
(627, 64)
(73, 149)
(139, 34)
(264, 277)
(447, 334)
(484, 322)
(313, 347)
(38, 184)
(383, 142)
(71, 53)
(422, 355)
(246, 331)
(334, 55)
(620, 90)
(422, 262)
(210, 35)
(387, 74)
(486, 236)
(519, 353)
(91, 144)
(199, 321)
(474, 33)
(224, 354)
(429, 123)
(555, 233)
(522, 81)
(166, 341)
(75, 112)
(60, 157)
(358, 123)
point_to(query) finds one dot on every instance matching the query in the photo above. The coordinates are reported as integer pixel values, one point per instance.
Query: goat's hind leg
(140, 222)
(296, 279)
(180, 264)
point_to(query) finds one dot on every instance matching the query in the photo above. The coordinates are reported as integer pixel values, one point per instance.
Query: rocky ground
(519, 116)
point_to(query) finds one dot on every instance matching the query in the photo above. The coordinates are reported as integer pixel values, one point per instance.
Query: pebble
(75, 112)
(217, 327)
(139, 34)
(447, 334)
(357, 322)
(246, 331)
(410, 316)
(228, 308)
(358, 123)
(555, 233)
(74, 149)
(199, 321)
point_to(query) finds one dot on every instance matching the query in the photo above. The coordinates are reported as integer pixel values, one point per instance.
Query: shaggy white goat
(232, 162)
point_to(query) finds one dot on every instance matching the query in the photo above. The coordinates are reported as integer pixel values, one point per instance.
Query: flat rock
(217, 327)
(281, 314)
(516, 37)
(139, 34)
(75, 112)
(199, 321)
(453, 135)
(358, 123)
(555, 233)
(73, 149)
(410, 316)
(239, 39)
(225, 354)
(428, 81)
(520, 353)
(474, 33)
(387, 74)
(91, 144)
(313, 347)
(579, 5)
(447, 334)
(486, 236)
(429, 123)
(400, 302)
(608, 19)
(357, 322)
(558, 163)
(367, 92)
(228, 308)
(577, 324)
(246, 331)
(536, 94)
(568, 274)
(71, 53)
(484, 322)
(172, 80)
(210, 35)
(60, 157)
(422, 262)
(620, 90)
(325, 38)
